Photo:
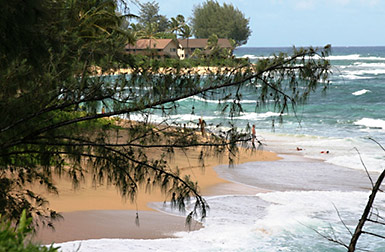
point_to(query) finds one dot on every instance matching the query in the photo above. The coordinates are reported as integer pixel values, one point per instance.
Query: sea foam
(361, 92)
(355, 57)
(371, 123)
(342, 151)
(276, 221)
(198, 98)
(257, 116)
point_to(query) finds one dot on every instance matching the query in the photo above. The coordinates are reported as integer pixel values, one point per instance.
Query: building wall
(171, 49)
(181, 53)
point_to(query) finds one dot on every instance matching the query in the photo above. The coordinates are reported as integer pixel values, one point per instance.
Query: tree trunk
(364, 217)
(187, 49)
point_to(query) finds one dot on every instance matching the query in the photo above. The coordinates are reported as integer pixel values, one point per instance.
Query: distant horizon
(251, 46)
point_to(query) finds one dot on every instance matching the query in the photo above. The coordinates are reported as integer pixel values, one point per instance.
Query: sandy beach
(92, 212)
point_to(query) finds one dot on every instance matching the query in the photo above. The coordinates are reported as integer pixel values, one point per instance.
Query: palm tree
(176, 24)
(212, 42)
(212, 46)
(181, 20)
(150, 32)
(186, 33)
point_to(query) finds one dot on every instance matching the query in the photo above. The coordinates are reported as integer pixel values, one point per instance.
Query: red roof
(145, 44)
(202, 43)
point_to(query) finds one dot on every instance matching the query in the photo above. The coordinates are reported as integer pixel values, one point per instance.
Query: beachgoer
(203, 124)
(103, 110)
(253, 133)
(299, 149)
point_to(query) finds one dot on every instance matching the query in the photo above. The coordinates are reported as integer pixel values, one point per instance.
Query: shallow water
(297, 174)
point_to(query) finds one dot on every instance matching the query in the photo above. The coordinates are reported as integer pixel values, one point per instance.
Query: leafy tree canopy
(178, 24)
(149, 14)
(224, 21)
(56, 74)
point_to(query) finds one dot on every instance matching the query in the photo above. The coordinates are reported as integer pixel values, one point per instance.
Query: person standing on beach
(202, 125)
(184, 128)
(253, 134)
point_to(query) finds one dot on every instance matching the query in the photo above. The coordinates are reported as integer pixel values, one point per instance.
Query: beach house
(157, 47)
(181, 48)
(190, 45)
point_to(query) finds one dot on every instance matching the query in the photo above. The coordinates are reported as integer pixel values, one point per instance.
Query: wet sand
(99, 212)
(119, 224)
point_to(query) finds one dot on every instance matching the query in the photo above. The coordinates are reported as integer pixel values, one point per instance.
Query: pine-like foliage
(52, 91)
(224, 21)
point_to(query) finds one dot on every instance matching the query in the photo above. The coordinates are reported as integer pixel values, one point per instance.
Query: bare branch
(327, 237)
(376, 222)
(339, 216)
(366, 169)
(373, 234)
(382, 147)
(358, 231)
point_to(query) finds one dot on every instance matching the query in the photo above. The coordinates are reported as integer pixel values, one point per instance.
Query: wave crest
(371, 123)
(361, 92)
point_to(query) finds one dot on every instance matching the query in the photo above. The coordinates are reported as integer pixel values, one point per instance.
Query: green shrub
(17, 238)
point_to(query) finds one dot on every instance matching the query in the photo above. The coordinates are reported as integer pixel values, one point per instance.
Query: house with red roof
(157, 47)
(181, 48)
(190, 45)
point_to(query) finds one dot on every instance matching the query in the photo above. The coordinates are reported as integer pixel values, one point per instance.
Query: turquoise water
(307, 186)
(354, 103)
(351, 111)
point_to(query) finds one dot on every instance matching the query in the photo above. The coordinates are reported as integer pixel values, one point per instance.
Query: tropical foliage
(45, 61)
(17, 238)
(57, 72)
(152, 25)
(149, 14)
(224, 21)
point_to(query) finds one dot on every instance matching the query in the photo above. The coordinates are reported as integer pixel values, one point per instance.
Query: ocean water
(351, 111)
(311, 190)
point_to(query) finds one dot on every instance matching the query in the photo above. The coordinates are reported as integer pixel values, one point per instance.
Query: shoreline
(88, 210)
(166, 219)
